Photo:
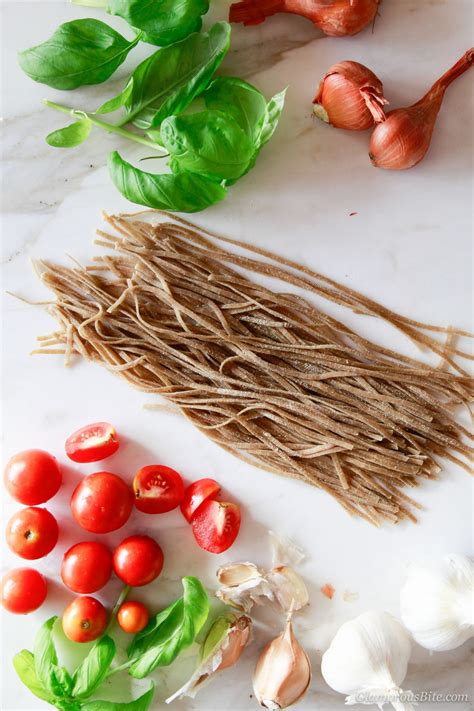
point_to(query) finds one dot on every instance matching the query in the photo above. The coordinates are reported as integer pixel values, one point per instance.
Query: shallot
(336, 18)
(350, 96)
(403, 138)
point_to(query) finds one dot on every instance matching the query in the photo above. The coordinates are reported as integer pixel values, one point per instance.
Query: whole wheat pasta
(267, 375)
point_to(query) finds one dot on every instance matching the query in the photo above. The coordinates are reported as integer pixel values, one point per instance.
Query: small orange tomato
(84, 619)
(133, 616)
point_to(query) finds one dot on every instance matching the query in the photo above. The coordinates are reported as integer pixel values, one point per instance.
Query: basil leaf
(63, 678)
(117, 101)
(209, 143)
(167, 82)
(181, 193)
(161, 645)
(79, 52)
(270, 118)
(46, 659)
(163, 21)
(240, 100)
(70, 136)
(93, 669)
(141, 704)
(24, 663)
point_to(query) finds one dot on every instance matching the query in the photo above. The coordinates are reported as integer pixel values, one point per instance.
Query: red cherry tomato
(84, 619)
(157, 489)
(102, 502)
(86, 567)
(138, 560)
(23, 590)
(195, 494)
(32, 533)
(92, 443)
(216, 525)
(133, 616)
(32, 477)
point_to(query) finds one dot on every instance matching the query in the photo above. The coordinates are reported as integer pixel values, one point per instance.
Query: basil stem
(110, 127)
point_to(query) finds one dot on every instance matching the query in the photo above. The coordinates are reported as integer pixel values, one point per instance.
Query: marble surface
(408, 245)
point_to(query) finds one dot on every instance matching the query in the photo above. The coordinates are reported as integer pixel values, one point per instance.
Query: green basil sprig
(162, 21)
(78, 53)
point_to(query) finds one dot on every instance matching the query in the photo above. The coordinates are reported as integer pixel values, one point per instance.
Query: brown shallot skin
(403, 138)
(336, 18)
(350, 96)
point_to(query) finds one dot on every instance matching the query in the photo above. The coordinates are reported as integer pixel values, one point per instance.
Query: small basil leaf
(168, 81)
(46, 658)
(163, 21)
(63, 678)
(118, 101)
(270, 118)
(179, 193)
(209, 143)
(141, 704)
(79, 52)
(93, 669)
(239, 99)
(177, 631)
(24, 663)
(70, 136)
(142, 640)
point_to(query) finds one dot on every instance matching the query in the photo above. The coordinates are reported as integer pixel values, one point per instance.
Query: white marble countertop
(408, 245)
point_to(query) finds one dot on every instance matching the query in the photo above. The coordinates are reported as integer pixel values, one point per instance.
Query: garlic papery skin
(283, 672)
(350, 96)
(221, 649)
(367, 660)
(437, 603)
(242, 585)
(288, 588)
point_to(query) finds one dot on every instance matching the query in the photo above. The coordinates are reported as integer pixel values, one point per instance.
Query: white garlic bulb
(437, 603)
(367, 660)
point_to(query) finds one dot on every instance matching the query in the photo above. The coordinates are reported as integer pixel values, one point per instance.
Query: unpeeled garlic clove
(242, 585)
(283, 672)
(239, 635)
(288, 587)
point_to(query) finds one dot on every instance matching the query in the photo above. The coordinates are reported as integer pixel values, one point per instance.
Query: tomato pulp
(32, 533)
(102, 502)
(216, 525)
(195, 494)
(32, 477)
(157, 489)
(92, 443)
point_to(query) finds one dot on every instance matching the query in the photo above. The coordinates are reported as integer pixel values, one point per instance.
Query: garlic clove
(221, 649)
(289, 589)
(237, 574)
(283, 672)
(243, 585)
(437, 603)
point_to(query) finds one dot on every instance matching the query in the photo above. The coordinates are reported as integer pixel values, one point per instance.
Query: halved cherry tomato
(23, 590)
(138, 560)
(86, 567)
(157, 489)
(216, 525)
(133, 616)
(32, 477)
(195, 494)
(102, 502)
(32, 532)
(84, 619)
(92, 443)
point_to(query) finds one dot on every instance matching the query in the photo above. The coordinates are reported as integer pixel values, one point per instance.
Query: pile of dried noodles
(265, 374)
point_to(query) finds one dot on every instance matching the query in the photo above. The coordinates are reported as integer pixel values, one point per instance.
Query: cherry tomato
(195, 494)
(138, 560)
(86, 567)
(84, 619)
(132, 616)
(92, 443)
(157, 489)
(32, 533)
(216, 525)
(102, 502)
(32, 477)
(23, 590)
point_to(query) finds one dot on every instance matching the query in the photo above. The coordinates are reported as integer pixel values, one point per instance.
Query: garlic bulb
(221, 649)
(437, 604)
(283, 672)
(367, 660)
